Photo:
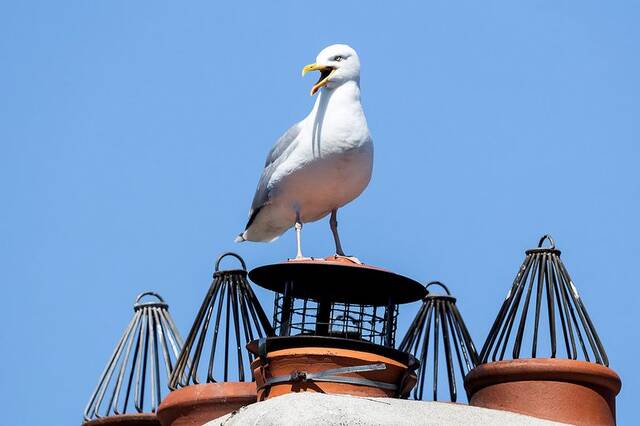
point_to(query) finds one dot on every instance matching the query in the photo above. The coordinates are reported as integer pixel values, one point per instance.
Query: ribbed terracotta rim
(540, 369)
(329, 352)
(125, 419)
(277, 343)
(198, 400)
(207, 392)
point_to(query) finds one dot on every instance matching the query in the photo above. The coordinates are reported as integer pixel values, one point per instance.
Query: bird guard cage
(336, 298)
(130, 387)
(438, 320)
(543, 296)
(230, 316)
(339, 308)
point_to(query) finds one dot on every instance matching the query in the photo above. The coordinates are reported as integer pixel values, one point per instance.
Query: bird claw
(349, 258)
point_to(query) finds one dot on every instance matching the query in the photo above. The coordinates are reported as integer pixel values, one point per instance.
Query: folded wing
(280, 151)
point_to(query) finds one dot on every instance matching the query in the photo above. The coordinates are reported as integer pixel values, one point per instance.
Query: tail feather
(252, 216)
(243, 237)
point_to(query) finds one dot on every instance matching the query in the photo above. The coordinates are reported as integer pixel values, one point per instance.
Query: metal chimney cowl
(335, 321)
(439, 327)
(135, 377)
(212, 376)
(525, 368)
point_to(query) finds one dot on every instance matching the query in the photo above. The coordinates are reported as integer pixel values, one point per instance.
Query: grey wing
(285, 144)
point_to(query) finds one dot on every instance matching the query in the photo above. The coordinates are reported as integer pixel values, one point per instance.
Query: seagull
(321, 163)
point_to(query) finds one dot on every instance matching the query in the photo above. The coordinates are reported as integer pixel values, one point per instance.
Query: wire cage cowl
(132, 383)
(212, 375)
(543, 292)
(543, 353)
(439, 320)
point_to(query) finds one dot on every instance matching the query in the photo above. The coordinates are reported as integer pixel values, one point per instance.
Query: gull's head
(337, 64)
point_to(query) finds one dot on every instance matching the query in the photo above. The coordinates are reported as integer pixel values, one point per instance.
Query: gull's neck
(347, 95)
(337, 121)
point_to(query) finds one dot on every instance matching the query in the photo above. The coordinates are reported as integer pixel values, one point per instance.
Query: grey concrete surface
(323, 410)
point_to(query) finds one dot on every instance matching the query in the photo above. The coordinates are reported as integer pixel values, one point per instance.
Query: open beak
(325, 74)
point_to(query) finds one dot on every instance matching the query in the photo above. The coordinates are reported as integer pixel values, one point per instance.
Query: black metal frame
(370, 323)
(333, 298)
(330, 280)
(133, 364)
(232, 307)
(541, 270)
(441, 312)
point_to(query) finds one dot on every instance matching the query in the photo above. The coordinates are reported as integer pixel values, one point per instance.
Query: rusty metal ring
(440, 284)
(217, 267)
(548, 238)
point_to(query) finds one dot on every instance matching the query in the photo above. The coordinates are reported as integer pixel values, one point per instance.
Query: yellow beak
(325, 74)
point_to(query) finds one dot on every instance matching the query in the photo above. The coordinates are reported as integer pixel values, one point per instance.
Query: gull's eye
(338, 58)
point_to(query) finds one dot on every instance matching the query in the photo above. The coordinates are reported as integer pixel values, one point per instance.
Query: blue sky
(132, 135)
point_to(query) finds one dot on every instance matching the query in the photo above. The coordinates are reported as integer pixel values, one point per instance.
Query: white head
(337, 64)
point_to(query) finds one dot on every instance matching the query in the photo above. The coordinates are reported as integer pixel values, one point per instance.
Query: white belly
(314, 191)
(325, 184)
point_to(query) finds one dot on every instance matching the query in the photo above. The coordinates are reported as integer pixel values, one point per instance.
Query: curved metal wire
(132, 378)
(232, 309)
(543, 272)
(439, 312)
